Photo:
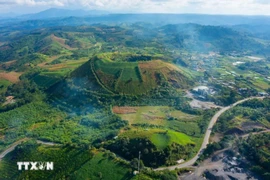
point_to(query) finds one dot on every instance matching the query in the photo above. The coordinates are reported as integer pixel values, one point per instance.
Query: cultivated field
(156, 115)
(135, 78)
(10, 76)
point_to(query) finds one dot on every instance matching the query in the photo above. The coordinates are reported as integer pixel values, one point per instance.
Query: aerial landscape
(116, 93)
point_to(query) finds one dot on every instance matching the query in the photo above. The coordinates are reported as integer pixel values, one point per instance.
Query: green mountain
(132, 78)
(43, 42)
(133, 38)
(199, 38)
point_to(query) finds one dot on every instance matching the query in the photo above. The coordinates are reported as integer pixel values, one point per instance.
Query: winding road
(15, 144)
(11, 148)
(183, 165)
(206, 137)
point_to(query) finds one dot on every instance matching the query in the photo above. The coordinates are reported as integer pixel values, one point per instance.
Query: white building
(201, 90)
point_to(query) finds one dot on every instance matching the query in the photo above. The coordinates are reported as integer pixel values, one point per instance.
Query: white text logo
(35, 166)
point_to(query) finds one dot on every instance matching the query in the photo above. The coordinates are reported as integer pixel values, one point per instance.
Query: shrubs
(256, 149)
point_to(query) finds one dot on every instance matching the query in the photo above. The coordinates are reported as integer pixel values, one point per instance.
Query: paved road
(207, 136)
(183, 165)
(11, 148)
(14, 145)
(48, 143)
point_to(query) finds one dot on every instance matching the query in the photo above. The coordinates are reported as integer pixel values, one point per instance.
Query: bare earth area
(10, 76)
(124, 110)
(62, 42)
(221, 166)
(195, 103)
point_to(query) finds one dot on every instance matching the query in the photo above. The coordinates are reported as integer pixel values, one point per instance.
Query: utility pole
(139, 161)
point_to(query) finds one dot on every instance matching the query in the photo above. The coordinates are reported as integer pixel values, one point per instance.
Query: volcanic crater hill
(128, 78)
(105, 78)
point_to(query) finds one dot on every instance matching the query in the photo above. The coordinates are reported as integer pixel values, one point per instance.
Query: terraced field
(135, 78)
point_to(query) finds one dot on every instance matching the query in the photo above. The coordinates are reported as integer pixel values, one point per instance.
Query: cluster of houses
(201, 92)
(244, 90)
(263, 94)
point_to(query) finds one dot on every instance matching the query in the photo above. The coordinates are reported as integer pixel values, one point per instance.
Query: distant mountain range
(55, 13)
(64, 17)
(8, 15)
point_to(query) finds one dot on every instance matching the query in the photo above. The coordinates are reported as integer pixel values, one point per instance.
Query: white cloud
(163, 6)
(40, 3)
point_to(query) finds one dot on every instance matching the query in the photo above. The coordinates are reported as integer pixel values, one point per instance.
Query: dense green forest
(253, 111)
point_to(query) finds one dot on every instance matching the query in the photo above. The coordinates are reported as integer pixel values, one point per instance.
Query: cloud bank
(261, 7)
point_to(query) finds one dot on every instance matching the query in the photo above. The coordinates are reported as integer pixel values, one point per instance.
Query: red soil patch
(151, 64)
(57, 67)
(7, 64)
(62, 42)
(158, 65)
(124, 110)
(10, 76)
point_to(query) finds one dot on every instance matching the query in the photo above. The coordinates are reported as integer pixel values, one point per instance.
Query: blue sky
(245, 7)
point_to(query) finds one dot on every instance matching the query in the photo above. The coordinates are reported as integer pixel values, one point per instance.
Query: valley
(106, 101)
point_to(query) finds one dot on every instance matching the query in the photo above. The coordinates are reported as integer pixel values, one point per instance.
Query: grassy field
(162, 140)
(163, 116)
(4, 84)
(159, 137)
(156, 115)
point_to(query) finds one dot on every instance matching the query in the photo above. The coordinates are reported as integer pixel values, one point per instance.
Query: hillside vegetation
(106, 93)
(135, 78)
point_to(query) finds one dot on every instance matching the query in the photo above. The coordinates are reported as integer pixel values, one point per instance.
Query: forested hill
(191, 37)
(200, 38)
